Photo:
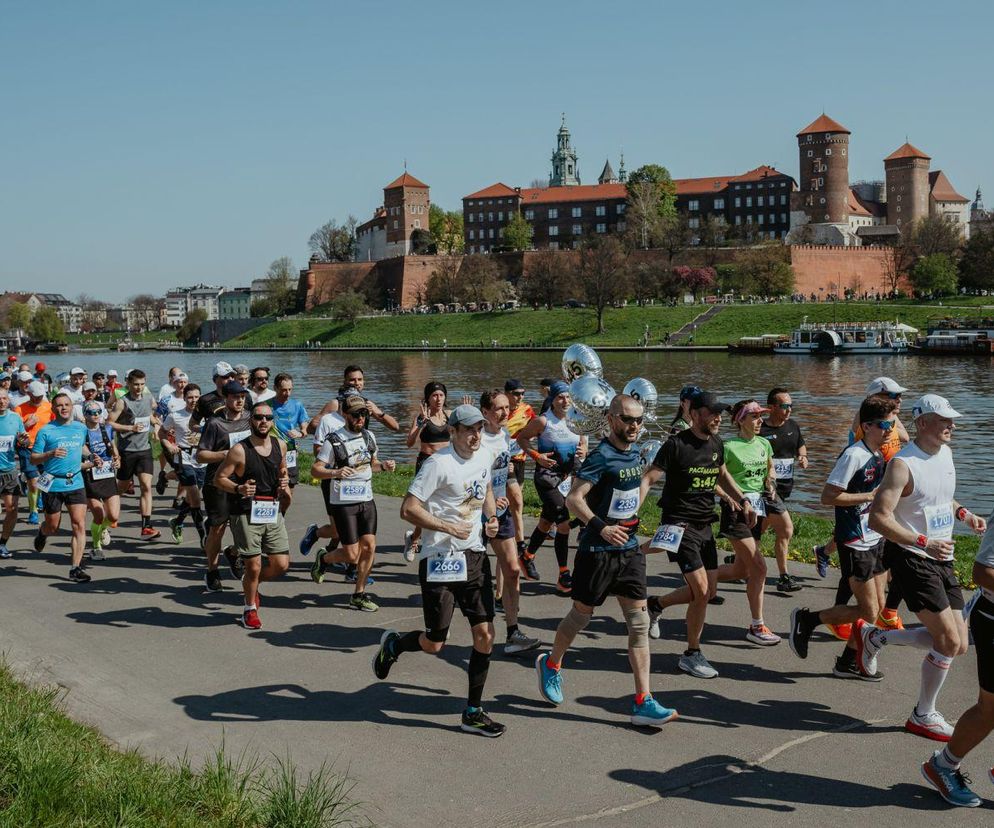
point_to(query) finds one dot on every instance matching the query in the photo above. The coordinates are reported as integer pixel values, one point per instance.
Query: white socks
(935, 667)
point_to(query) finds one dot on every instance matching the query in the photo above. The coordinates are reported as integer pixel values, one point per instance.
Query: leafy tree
(422, 243)
(481, 280)
(260, 308)
(696, 280)
(518, 232)
(645, 281)
(446, 229)
(710, 236)
(976, 267)
(934, 274)
(602, 274)
(45, 325)
(651, 198)
(546, 279)
(348, 306)
(281, 286)
(332, 242)
(444, 282)
(763, 267)
(935, 234)
(191, 324)
(18, 316)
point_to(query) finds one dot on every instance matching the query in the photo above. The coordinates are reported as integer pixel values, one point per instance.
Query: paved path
(154, 662)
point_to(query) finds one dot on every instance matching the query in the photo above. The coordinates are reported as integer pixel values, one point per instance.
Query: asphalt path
(156, 663)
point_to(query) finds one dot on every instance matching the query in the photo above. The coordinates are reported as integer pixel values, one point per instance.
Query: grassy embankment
(57, 772)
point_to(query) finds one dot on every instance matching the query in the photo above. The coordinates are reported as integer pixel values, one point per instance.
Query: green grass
(110, 339)
(57, 772)
(624, 326)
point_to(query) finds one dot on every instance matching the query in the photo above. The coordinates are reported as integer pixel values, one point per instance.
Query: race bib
(291, 458)
(783, 468)
(45, 481)
(142, 424)
(103, 472)
(624, 504)
(756, 501)
(6, 443)
(939, 520)
(264, 510)
(446, 567)
(565, 486)
(354, 491)
(667, 538)
(499, 482)
(237, 437)
(185, 458)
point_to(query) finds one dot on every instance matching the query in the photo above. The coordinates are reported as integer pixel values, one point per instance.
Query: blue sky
(149, 145)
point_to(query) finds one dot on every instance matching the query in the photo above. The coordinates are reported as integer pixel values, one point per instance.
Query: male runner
(19, 389)
(355, 378)
(347, 459)
(254, 475)
(43, 376)
(212, 403)
(36, 413)
(291, 424)
(693, 462)
(100, 481)
(518, 417)
(133, 418)
(915, 511)
(606, 497)
(851, 488)
(169, 387)
(452, 500)
(74, 388)
(259, 389)
(179, 441)
(12, 438)
(112, 384)
(172, 400)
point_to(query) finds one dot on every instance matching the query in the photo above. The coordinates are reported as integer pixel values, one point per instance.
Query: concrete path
(156, 663)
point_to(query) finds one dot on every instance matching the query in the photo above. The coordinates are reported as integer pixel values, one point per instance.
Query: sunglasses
(91, 412)
(884, 425)
(893, 395)
(627, 419)
(517, 393)
(786, 406)
(358, 414)
(263, 418)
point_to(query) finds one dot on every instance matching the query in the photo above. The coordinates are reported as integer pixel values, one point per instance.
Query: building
(565, 169)
(371, 238)
(70, 313)
(181, 300)
(821, 202)
(235, 304)
(388, 233)
(981, 219)
(756, 203)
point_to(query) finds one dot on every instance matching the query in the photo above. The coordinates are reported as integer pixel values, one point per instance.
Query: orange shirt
(891, 446)
(44, 412)
(518, 420)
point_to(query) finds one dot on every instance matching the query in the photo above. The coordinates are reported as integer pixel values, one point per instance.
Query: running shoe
(105, 538)
(800, 631)
(651, 713)
(176, 529)
(33, 518)
(384, 658)
(362, 602)
(318, 569)
(4, 551)
(697, 665)
(866, 650)
(177, 502)
(250, 620)
(235, 564)
(952, 785)
(849, 670)
(78, 575)
(212, 579)
(654, 624)
(150, 533)
(160, 483)
(762, 635)
(822, 560)
(409, 553)
(528, 568)
(892, 622)
(717, 601)
(841, 631)
(98, 554)
(480, 723)
(309, 539)
(550, 682)
(39, 542)
(564, 586)
(352, 575)
(930, 725)
(518, 642)
(786, 583)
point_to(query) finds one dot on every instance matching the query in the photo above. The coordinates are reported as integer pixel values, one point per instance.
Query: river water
(826, 391)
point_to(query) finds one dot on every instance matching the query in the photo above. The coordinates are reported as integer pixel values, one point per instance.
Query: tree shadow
(153, 617)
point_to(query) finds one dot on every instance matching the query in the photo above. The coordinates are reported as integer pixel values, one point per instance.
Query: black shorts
(734, 527)
(518, 470)
(353, 520)
(505, 526)
(475, 597)
(10, 483)
(135, 462)
(54, 501)
(216, 505)
(618, 572)
(982, 627)
(861, 564)
(697, 548)
(775, 505)
(553, 501)
(191, 475)
(99, 489)
(784, 488)
(926, 584)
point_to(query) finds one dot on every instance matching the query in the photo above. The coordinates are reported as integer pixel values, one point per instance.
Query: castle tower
(906, 174)
(823, 194)
(607, 175)
(565, 172)
(406, 202)
(622, 175)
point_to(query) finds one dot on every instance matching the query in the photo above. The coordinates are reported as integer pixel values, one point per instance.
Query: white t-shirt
(268, 394)
(75, 394)
(358, 488)
(326, 425)
(173, 403)
(854, 459)
(499, 446)
(165, 391)
(179, 423)
(16, 398)
(453, 489)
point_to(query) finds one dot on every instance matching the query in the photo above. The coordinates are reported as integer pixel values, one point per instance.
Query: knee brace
(638, 628)
(574, 622)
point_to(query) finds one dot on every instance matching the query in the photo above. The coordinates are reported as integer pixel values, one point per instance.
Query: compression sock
(535, 541)
(935, 668)
(146, 521)
(918, 637)
(32, 500)
(561, 545)
(96, 530)
(198, 518)
(479, 665)
(184, 510)
(511, 629)
(407, 643)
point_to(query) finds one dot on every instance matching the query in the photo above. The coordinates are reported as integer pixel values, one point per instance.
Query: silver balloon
(645, 392)
(648, 451)
(591, 395)
(584, 426)
(579, 360)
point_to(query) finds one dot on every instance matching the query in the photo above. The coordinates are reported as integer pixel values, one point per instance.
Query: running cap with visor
(223, 369)
(884, 385)
(748, 410)
(36, 389)
(709, 401)
(933, 404)
(354, 404)
(513, 385)
(466, 415)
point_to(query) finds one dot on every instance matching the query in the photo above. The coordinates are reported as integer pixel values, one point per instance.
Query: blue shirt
(614, 495)
(289, 415)
(98, 445)
(11, 425)
(71, 437)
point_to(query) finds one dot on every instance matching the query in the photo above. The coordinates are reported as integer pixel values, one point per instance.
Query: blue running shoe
(951, 784)
(352, 574)
(651, 713)
(822, 561)
(33, 518)
(550, 682)
(310, 538)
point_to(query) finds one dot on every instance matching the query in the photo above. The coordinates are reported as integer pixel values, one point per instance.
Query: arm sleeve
(426, 481)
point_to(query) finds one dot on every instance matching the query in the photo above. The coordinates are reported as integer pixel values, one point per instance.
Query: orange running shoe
(889, 620)
(840, 631)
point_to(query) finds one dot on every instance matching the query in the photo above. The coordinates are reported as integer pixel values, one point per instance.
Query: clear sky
(148, 145)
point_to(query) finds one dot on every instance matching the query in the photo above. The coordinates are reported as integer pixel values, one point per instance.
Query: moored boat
(847, 338)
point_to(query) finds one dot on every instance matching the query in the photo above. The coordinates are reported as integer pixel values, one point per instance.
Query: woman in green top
(749, 459)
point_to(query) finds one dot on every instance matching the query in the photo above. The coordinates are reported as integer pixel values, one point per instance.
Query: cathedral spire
(565, 171)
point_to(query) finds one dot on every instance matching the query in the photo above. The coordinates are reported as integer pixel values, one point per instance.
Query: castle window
(491, 232)
(601, 228)
(821, 182)
(783, 218)
(600, 210)
(822, 200)
(471, 218)
(738, 201)
(417, 224)
(577, 229)
(748, 201)
(490, 216)
(759, 201)
(827, 217)
(773, 218)
(738, 219)
(577, 212)
(719, 204)
(811, 153)
(843, 151)
(554, 230)
(759, 218)
(553, 213)
(693, 223)
(553, 245)
(693, 205)
(529, 214)
(472, 234)
(500, 216)
(783, 199)
(748, 219)
(828, 151)
(809, 137)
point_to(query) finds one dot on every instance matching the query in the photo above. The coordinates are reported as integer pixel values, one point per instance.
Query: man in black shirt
(693, 462)
(212, 404)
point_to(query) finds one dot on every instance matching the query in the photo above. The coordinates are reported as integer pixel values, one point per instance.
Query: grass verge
(57, 772)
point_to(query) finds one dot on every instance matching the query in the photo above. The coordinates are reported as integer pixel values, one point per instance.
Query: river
(826, 391)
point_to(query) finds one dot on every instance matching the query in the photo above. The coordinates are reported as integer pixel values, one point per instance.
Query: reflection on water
(826, 391)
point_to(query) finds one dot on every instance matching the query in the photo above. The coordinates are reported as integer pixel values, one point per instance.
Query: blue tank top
(558, 439)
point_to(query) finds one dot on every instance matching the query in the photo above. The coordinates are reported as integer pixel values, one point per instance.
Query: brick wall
(826, 269)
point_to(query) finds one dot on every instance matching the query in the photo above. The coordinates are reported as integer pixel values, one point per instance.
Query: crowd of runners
(228, 450)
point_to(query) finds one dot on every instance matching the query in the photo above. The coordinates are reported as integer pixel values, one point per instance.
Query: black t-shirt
(786, 439)
(220, 434)
(691, 466)
(209, 405)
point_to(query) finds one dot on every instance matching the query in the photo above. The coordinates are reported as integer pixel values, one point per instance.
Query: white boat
(847, 338)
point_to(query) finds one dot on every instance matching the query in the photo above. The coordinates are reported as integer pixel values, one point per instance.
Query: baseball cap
(355, 404)
(4, 376)
(884, 385)
(346, 392)
(89, 386)
(558, 387)
(36, 389)
(39, 366)
(466, 415)
(76, 371)
(240, 368)
(689, 391)
(25, 376)
(233, 387)
(513, 385)
(223, 369)
(709, 401)
(546, 382)
(180, 376)
(933, 404)
(112, 372)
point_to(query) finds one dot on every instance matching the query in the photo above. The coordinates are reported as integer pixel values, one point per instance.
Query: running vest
(136, 412)
(558, 439)
(928, 510)
(356, 451)
(265, 471)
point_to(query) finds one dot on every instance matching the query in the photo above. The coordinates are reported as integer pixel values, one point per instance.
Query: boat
(757, 344)
(956, 337)
(847, 338)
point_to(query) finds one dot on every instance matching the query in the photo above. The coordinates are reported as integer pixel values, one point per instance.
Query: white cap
(89, 386)
(180, 376)
(223, 369)
(112, 372)
(25, 376)
(75, 371)
(933, 404)
(36, 389)
(884, 385)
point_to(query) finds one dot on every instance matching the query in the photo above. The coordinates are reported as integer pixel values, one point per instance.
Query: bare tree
(603, 274)
(642, 213)
(481, 279)
(281, 286)
(539, 184)
(334, 243)
(443, 284)
(546, 279)
(147, 310)
(672, 235)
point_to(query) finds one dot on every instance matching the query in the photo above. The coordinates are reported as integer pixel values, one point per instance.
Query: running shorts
(518, 469)
(982, 627)
(861, 564)
(475, 596)
(99, 489)
(926, 584)
(734, 527)
(216, 505)
(775, 505)
(697, 548)
(191, 475)
(596, 575)
(254, 539)
(505, 526)
(353, 520)
(553, 501)
(54, 501)
(10, 484)
(133, 463)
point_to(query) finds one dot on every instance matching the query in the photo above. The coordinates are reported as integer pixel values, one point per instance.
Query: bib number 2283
(444, 568)
(264, 510)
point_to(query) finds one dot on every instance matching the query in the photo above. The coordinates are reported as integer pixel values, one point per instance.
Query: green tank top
(748, 461)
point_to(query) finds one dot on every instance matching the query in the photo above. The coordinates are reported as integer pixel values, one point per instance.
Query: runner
(58, 449)
(681, 420)
(242, 374)
(559, 452)
(36, 413)
(169, 387)
(100, 481)
(77, 377)
(784, 435)
(693, 462)
(291, 423)
(259, 389)
(544, 386)
(13, 438)
(495, 406)
(212, 404)
(174, 400)
(355, 378)
(254, 475)
(430, 427)
(452, 500)
(606, 497)
(19, 388)
(132, 418)
(348, 459)
(914, 511)
(112, 385)
(517, 418)
(221, 432)
(100, 381)
(180, 442)
(89, 395)
(851, 488)
(42, 376)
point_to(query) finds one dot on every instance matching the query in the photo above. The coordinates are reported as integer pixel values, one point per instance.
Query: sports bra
(431, 432)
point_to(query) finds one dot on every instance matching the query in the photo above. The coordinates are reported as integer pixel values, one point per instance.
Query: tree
(18, 316)
(422, 243)
(45, 325)
(672, 234)
(480, 279)
(695, 279)
(645, 281)
(934, 275)
(281, 286)
(976, 267)
(651, 197)
(348, 306)
(539, 184)
(900, 262)
(147, 310)
(546, 279)
(602, 274)
(191, 324)
(443, 282)
(518, 232)
(710, 236)
(94, 316)
(935, 234)
(332, 242)
(446, 230)
(764, 268)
